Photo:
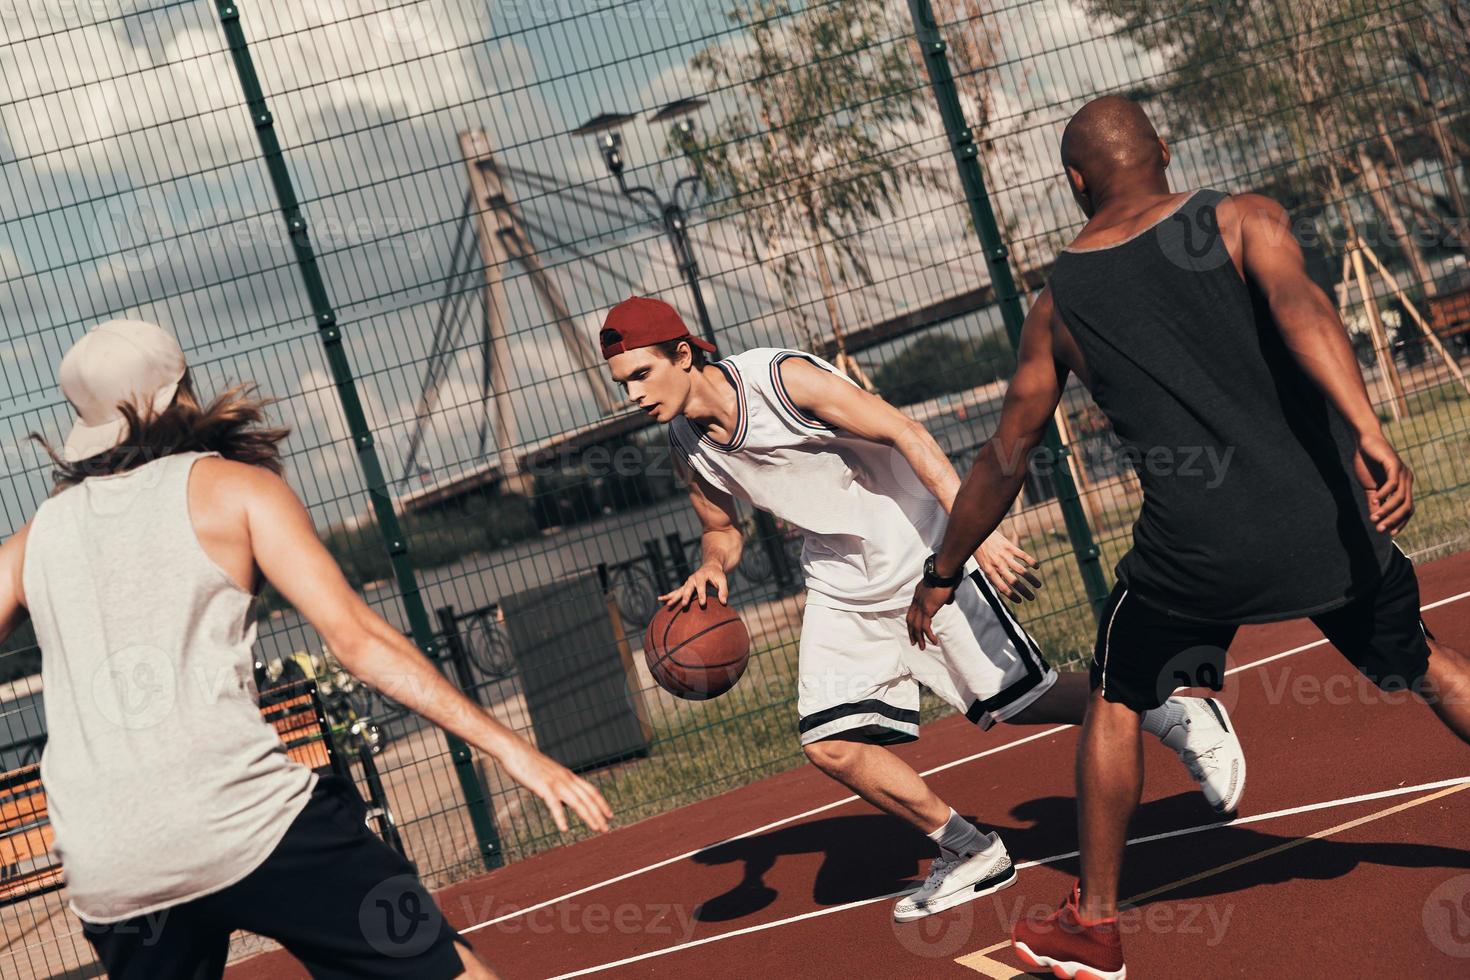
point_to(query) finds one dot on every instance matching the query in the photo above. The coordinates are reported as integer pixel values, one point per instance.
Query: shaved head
(1111, 137)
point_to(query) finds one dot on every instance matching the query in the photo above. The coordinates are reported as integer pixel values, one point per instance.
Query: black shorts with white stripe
(1143, 654)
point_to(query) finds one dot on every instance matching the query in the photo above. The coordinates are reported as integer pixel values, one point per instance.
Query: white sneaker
(955, 880)
(1208, 747)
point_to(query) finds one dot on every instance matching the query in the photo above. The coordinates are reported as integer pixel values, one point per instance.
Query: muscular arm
(1313, 332)
(721, 540)
(840, 403)
(999, 470)
(1306, 317)
(294, 560)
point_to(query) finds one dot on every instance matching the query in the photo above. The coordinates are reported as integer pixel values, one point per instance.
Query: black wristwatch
(934, 580)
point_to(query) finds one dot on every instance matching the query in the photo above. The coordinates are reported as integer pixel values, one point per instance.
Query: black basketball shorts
(1143, 654)
(332, 893)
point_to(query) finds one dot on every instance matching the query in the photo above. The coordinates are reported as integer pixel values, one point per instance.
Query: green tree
(975, 32)
(1326, 88)
(807, 151)
(937, 364)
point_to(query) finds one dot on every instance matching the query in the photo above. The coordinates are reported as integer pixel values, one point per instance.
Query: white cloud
(368, 102)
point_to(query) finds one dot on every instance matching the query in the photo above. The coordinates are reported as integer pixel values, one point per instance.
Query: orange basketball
(697, 653)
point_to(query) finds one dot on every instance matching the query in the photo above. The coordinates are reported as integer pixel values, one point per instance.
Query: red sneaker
(1072, 948)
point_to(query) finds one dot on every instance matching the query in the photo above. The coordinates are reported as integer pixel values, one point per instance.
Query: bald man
(1269, 489)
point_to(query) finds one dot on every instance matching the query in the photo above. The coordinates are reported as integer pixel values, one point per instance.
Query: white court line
(729, 935)
(1290, 811)
(850, 799)
(749, 833)
(1322, 642)
(1242, 821)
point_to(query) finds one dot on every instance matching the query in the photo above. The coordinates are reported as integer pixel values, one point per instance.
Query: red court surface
(1348, 856)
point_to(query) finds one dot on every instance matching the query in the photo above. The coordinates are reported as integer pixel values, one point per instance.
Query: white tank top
(869, 521)
(164, 783)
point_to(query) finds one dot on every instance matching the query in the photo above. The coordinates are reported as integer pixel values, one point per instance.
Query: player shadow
(1047, 825)
(872, 854)
(1318, 860)
(863, 856)
(868, 855)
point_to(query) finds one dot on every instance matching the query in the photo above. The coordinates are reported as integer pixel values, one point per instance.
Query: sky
(133, 187)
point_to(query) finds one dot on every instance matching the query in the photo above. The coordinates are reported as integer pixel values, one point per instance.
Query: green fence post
(997, 258)
(331, 337)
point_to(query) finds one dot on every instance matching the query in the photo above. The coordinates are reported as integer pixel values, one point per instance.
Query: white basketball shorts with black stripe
(860, 676)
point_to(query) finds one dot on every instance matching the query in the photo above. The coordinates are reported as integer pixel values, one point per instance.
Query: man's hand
(1009, 568)
(708, 578)
(926, 603)
(1389, 482)
(557, 785)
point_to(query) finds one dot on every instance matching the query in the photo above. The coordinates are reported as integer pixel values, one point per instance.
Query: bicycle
(755, 559)
(635, 593)
(488, 645)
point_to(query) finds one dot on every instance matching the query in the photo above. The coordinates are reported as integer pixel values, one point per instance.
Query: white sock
(1158, 721)
(959, 837)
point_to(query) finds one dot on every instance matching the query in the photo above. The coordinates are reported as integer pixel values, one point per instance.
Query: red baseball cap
(641, 321)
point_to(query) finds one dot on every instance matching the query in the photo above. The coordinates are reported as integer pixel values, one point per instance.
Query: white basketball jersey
(869, 521)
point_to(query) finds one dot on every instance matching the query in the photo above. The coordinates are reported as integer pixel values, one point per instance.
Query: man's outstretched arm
(986, 495)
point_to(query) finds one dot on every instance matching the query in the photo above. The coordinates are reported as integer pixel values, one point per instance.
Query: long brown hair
(229, 425)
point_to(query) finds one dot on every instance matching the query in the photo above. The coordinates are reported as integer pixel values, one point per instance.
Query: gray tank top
(164, 783)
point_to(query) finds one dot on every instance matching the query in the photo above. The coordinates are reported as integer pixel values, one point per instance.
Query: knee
(1445, 659)
(835, 757)
(1443, 670)
(1112, 715)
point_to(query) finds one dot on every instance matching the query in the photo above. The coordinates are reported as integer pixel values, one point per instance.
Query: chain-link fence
(407, 219)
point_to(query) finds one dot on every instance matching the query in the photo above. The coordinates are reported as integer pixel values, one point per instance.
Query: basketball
(696, 653)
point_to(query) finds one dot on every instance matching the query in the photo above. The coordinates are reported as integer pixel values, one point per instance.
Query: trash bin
(572, 676)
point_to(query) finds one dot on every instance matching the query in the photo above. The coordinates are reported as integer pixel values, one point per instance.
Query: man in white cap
(177, 814)
(117, 361)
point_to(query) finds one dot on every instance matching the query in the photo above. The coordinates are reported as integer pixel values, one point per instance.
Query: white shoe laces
(938, 870)
(1200, 764)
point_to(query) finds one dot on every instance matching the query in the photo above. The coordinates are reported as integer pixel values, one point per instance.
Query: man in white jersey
(870, 489)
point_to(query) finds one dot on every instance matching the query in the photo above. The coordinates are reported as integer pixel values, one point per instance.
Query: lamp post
(670, 214)
(673, 217)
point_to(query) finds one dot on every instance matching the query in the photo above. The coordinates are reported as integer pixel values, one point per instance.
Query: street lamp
(673, 217)
(670, 214)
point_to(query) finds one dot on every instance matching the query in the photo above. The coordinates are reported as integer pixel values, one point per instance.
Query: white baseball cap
(117, 361)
